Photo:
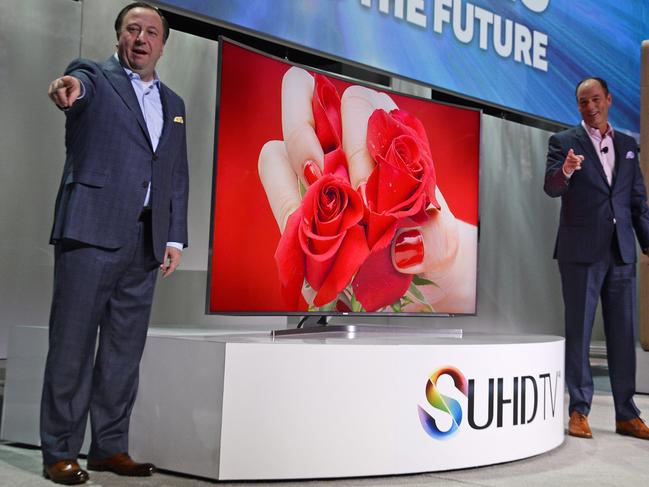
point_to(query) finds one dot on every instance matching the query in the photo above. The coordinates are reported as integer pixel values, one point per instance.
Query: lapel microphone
(604, 150)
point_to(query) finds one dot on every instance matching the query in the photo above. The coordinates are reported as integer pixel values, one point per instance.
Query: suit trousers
(109, 291)
(583, 285)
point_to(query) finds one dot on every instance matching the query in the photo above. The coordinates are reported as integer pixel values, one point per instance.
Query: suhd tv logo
(492, 402)
(443, 403)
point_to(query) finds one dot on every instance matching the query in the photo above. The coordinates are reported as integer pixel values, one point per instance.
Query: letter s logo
(443, 403)
(537, 6)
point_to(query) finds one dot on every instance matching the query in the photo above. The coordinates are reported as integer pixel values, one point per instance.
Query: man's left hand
(171, 261)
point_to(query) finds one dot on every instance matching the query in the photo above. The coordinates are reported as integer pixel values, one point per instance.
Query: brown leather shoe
(635, 427)
(578, 425)
(122, 464)
(67, 472)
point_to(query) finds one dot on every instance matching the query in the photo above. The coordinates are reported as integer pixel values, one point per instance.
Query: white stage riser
(300, 410)
(247, 407)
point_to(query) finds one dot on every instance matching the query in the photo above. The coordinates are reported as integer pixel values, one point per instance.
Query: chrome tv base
(352, 331)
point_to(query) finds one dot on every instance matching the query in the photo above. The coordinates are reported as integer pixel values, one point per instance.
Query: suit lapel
(589, 150)
(119, 80)
(620, 159)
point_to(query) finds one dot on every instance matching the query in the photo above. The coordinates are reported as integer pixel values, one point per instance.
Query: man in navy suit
(596, 172)
(120, 214)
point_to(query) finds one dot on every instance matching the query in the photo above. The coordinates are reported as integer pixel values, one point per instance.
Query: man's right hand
(572, 163)
(64, 91)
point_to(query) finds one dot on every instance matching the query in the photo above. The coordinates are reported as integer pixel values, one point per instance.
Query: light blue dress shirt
(148, 97)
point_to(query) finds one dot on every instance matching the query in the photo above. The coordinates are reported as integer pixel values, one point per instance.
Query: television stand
(312, 324)
(316, 324)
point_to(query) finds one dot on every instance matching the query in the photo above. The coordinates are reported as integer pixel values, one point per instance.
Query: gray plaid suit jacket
(110, 161)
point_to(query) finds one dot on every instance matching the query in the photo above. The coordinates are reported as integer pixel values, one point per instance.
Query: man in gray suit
(121, 213)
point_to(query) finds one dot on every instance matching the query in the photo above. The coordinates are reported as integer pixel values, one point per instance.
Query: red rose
(399, 190)
(323, 241)
(402, 184)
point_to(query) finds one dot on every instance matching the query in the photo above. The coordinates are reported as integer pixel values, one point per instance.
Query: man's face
(140, 41)
(593, 104)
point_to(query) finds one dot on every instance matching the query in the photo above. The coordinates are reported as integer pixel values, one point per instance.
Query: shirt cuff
(568, 176)
(83, 90)
(176, 245)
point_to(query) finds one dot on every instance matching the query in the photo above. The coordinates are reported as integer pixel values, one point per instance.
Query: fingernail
(311, 172)
(409, 249)
(431, 210)
(362, 189)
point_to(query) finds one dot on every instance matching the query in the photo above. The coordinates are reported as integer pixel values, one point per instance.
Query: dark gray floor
(606, 460)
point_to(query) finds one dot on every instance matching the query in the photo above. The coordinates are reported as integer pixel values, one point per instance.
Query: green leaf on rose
(420, 281)
(331, 306)
(412, 289)
(356, 304)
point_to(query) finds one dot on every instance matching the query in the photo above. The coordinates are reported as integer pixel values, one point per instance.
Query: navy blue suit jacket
(110, 161)
(592, 212)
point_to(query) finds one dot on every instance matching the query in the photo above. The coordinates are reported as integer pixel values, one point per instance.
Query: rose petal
(406, 153)
(349, 258)
(318, 267)
(318, 247)
(413, 123)
(290, 261)
(381, 130)
(380, 229)
(377, 284)
(332, 206)
(332, 202)
(335, 163)
(326, 113)
(395, 186)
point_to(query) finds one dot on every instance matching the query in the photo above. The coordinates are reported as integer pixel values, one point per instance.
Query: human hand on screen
(438, 249)
(442, 249)
(64, 91)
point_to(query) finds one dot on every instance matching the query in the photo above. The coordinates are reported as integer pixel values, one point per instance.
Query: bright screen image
(332, 196)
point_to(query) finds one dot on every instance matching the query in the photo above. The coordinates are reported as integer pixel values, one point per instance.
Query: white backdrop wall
(518, 281)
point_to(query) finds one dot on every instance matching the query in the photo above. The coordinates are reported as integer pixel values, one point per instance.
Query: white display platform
(325, 405)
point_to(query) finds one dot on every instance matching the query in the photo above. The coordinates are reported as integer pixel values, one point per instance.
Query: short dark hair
(122, 13)
(603, 84)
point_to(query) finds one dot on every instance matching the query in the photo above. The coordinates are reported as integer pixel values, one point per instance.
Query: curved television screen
(332, 196)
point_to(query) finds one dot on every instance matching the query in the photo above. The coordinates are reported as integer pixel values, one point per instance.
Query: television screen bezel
(332, 313)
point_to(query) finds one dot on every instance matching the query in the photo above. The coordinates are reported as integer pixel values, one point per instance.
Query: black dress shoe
(66, 472)
(121, 464)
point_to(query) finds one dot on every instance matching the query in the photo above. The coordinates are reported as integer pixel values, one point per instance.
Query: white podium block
(326, 405)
